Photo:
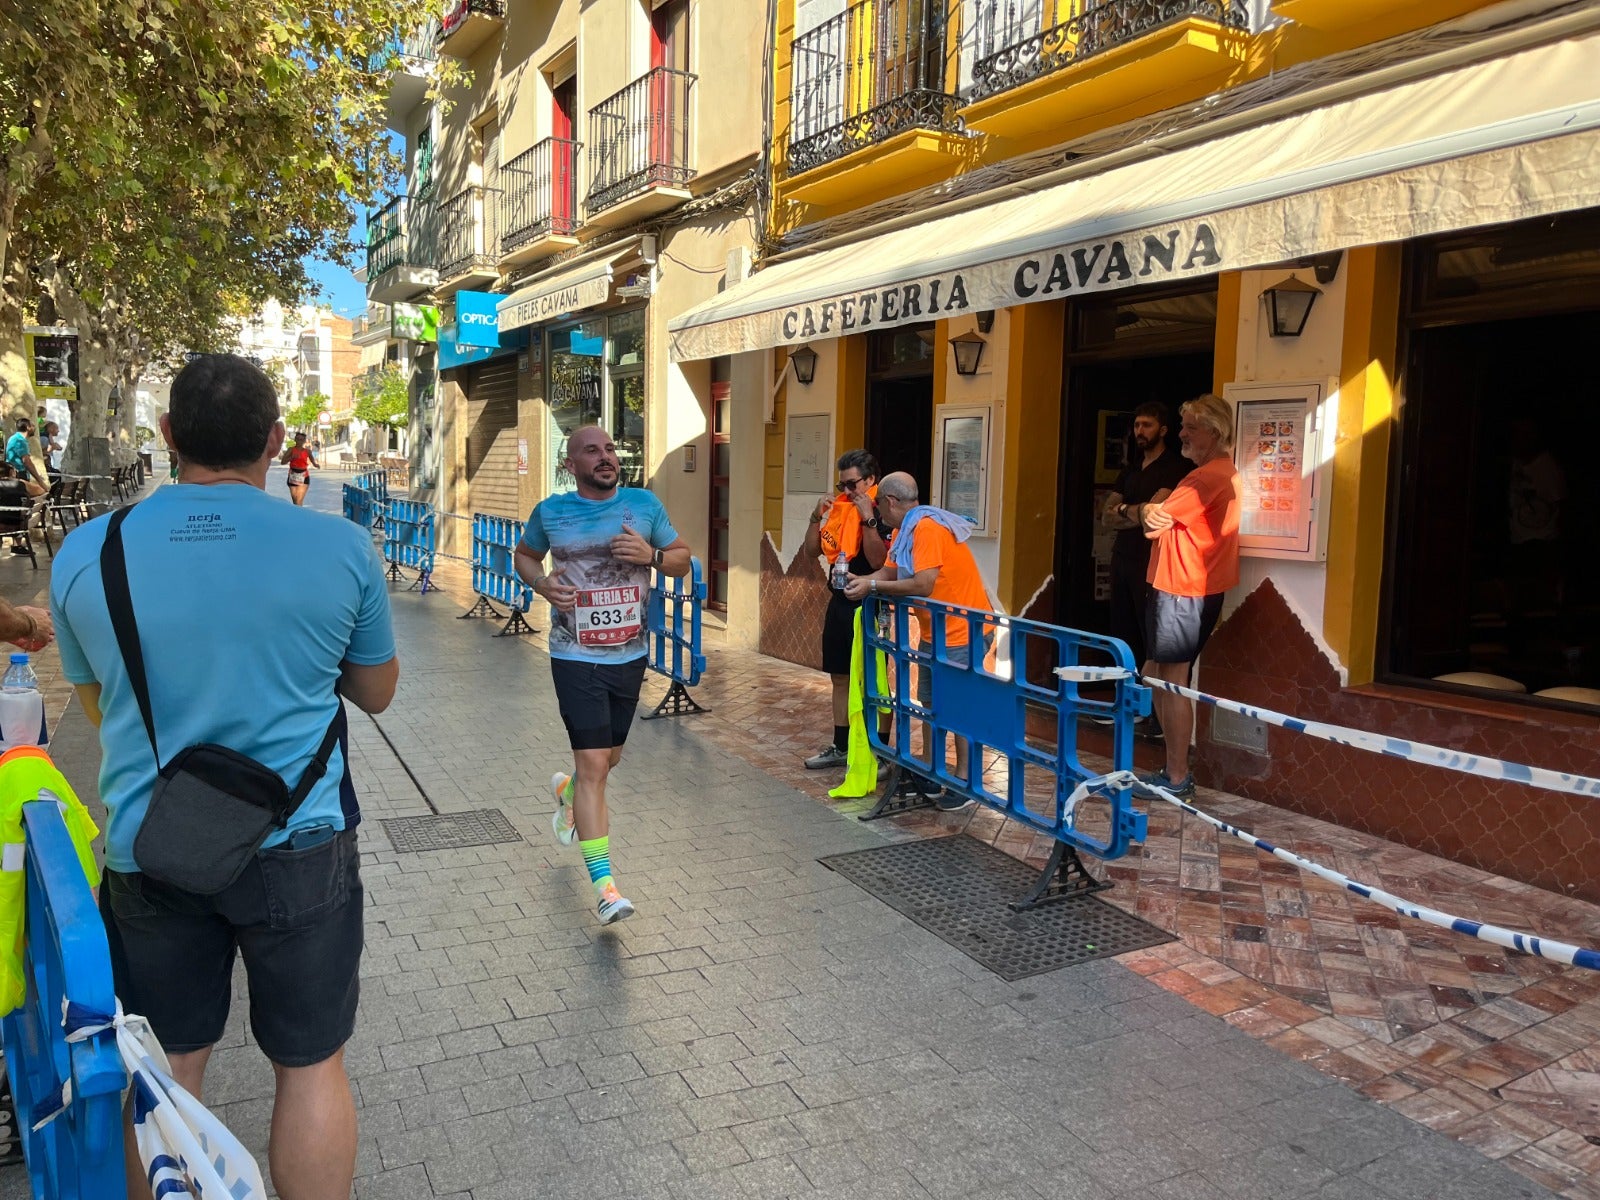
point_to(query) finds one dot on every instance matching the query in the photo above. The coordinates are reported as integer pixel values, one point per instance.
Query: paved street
(761, 1028)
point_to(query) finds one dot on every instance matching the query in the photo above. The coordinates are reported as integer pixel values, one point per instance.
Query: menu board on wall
(809, 461)
(1278, 450)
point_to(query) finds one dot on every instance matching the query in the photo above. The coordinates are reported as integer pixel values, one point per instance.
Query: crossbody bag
(212, 807)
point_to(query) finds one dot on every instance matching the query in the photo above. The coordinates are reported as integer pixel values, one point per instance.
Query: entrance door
(900, 427)
(721, 484)
(669, 47)
(1123, 351)
(563, 170)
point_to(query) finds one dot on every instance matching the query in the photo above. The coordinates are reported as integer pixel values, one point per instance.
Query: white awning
(556, 295)
(1497, 141)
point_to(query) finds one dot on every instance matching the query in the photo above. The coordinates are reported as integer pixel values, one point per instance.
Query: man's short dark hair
(1156, 409)
(24, 425)
(222, 411)
(861, 460)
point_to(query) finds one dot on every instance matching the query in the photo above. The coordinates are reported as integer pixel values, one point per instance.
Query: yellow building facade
(997, 227)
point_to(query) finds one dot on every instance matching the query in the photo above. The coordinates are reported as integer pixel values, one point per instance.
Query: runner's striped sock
(597, 857)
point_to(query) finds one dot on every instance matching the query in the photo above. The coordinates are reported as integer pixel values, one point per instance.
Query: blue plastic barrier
(494, 572)
(409, 540)
(78, 1155)
(990, 711)
(673, 629)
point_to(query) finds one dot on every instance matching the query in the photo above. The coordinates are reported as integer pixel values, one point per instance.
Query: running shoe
(829, 756)
(614, 906)
(562, 822)
(949, 801)
(1183, 791)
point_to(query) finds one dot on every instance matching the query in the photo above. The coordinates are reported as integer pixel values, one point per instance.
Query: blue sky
(338, 289)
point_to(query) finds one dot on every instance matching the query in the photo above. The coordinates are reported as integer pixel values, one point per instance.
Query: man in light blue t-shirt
(602, 541)
(254, 619)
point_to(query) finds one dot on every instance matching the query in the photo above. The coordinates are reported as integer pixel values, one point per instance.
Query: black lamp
(968, 349)
(1289, 304)
(804, 359)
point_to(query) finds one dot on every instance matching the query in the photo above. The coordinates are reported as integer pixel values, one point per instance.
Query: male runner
(603, 540)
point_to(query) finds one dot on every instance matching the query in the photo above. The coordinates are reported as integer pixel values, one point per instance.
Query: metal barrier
(409, 540)
(989, 709)
(78, 1155)
(673, 603)
(494, 572)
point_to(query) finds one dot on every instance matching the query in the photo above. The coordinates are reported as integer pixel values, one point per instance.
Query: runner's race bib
(609, 616)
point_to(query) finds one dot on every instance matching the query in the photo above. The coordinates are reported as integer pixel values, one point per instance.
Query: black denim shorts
(597, 700)
(295, 916)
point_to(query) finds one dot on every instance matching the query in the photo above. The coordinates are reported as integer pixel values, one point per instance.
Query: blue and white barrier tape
(1392, 747)
(1527, 943)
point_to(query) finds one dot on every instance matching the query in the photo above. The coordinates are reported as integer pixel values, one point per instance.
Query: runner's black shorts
(838, 634)
(597, 700)
(294, 915)
(1176, 628)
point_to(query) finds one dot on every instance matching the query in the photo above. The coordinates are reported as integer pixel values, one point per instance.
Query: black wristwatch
(871, 522)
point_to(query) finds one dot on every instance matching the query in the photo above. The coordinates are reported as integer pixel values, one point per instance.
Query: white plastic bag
(179, 1140)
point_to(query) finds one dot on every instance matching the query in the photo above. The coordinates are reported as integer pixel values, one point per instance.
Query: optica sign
(478, 319)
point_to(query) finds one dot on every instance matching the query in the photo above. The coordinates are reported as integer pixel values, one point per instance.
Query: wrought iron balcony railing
(418, 46)
(878, 69)
(457, 13)
(467, 239)
(539, 194)
(639, 138)
(1016, 41)
(386, 238)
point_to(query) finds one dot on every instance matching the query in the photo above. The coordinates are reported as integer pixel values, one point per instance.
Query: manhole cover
(450, 831)
(960, 890)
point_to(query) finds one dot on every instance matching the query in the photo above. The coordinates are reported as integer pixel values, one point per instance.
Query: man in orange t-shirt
(844, 524)
(1196, 560)
(943, 569)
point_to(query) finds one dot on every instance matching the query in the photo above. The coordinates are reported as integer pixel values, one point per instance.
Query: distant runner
(603, 540)
(300, 460)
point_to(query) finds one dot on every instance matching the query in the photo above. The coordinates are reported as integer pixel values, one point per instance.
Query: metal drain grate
(960, 890)
(450, 831)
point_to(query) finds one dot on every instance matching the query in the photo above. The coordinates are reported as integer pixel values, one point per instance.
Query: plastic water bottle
(841, 572)
(21, 706)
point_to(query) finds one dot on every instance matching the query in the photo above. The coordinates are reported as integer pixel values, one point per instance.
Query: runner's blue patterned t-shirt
(576, 533)
(246, 607)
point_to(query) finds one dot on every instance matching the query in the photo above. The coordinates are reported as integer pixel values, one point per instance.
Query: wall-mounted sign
(570, 292)
(478, 319)
(415, 322)
(1283, 448)
(53, 361)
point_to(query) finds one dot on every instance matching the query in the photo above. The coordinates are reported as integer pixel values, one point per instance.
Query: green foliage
(303, 416)
(382, 398)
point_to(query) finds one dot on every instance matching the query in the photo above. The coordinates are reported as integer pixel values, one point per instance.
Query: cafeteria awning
(1496, 141)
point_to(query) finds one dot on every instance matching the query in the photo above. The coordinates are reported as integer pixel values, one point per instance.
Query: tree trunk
(88, 444)
(16, 380)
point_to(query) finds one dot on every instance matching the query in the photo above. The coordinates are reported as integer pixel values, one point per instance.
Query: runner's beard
(592, 480)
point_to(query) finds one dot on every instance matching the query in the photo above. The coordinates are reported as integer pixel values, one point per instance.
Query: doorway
(1123, 351)
(900, 402)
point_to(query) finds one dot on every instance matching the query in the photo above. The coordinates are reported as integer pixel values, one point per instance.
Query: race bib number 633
(609, 616)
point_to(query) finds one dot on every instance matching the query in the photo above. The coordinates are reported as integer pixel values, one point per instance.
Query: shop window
(1493, 575)
(596, 377)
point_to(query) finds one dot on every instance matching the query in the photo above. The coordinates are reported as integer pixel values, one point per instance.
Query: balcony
(399, 244)
(877, 75)
(409, 61)
(1395, 16)
(468, 248)
(372, 326)
(539, 202)
(639, 149)
(468, 24)
(1039, 67)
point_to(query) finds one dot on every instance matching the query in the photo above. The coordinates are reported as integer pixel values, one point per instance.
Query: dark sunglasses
(849, 485)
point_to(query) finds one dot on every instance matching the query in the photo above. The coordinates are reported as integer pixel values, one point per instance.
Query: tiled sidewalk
(1497, 1049)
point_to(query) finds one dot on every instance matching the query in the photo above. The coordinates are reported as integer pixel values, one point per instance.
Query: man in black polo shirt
(1148, 478)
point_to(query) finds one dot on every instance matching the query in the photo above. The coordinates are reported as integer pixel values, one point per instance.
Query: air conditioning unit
(637, 287)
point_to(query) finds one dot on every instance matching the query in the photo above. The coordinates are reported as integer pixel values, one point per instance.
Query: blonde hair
(1214, 413)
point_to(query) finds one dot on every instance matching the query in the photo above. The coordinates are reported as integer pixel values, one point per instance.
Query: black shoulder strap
(119, 603)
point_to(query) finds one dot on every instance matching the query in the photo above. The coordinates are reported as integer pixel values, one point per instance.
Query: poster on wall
(808, 462)
(522, 456)
(1278, 450)
(962, 455)
(53, 362)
